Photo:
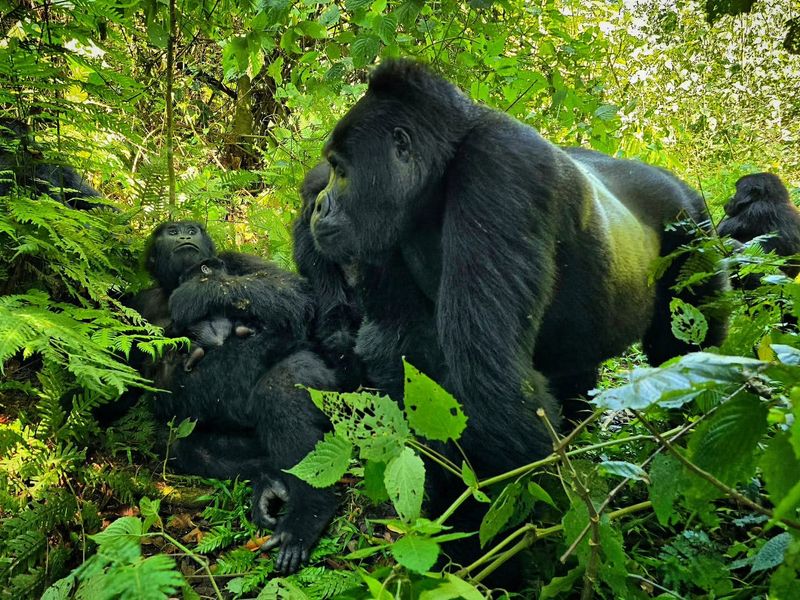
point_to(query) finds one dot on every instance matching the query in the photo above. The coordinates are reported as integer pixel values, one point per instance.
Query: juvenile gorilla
(501, 265)
(21, 164)
(762, 205)
(211, 332)
(338, 315)
(252, 419)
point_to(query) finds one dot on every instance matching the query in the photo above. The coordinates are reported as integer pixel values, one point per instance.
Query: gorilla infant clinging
(501, 265)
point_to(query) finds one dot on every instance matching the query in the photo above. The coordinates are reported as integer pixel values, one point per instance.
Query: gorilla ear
(402, 144)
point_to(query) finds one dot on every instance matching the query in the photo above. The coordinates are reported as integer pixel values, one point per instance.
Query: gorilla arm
(498, 277)
(254, 292)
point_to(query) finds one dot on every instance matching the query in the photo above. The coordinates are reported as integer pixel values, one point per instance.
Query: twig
(593, 562)
(726, 489)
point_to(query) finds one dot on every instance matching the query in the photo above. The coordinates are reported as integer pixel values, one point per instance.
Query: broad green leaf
(789, 504)
(606, 112)
(499, 513)
(375, 424)
(326, 464)
(376, 588)
(374, 488)
(772, 553)
(431, 411)
(405, 484)
(780, 467)
(416, 553)
(184, 428)
(452, 588)
(621, 468)
(539, 493)
(559, 585)
(680, 381)
(666, 475)
(786, 354)
(724, 445)
(364, 49)
(365, 552)
(687, 322)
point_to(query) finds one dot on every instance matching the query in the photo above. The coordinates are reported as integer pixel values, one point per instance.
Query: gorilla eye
(192, 230)
(336, 166)
(172, 231)
(402, 143)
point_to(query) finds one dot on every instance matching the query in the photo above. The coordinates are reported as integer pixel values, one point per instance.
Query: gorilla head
(758, 187)
(173, 248)
(388, 156)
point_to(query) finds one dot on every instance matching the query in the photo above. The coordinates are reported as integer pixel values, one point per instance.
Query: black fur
(503, 266)
(338, 316)
(22, 164)
(253, 420)
(760, 206)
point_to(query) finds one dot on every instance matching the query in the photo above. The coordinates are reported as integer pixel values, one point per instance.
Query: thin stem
(726, 489)
(435, 457)
(169, 102)
(199, 560)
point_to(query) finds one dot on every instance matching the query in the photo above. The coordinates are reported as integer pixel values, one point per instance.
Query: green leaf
(364, 50)
(679, 382)
(468, 475)
(374, 488)
(621, 468)
(375, 424)
(450, 590)
(416, 553)
(724, 445)
(405, 484)
(780, 467)
(789, 504)
(539, 493)
(326, 464)
(431, 411)
(666, 475)
(688, 323)
(772, 553)
(184, 429)
(365, 552)
(606, 112)
(314, 30)
(499, 513)
(559, 585)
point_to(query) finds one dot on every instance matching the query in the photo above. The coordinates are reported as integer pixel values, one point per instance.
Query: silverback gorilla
(760, 206)
(501, 265)
(252, 419)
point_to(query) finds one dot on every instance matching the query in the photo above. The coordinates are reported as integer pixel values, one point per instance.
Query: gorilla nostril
(323, 206)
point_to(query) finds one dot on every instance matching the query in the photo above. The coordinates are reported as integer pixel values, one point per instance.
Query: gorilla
(760, 206)
(253, 421)
(338, 315)
(501, 265)
(212, 332)
(22, 164)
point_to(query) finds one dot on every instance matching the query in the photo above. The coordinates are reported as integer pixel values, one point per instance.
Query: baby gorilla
(213, 331)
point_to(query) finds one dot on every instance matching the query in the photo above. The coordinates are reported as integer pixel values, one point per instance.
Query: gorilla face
(174, 247)
(377, 178)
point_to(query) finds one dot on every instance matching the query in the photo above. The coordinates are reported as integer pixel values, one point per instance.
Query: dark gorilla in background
(252, 419)
(338, 315)
(501, 265)
(21, 163)
(760, 206)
